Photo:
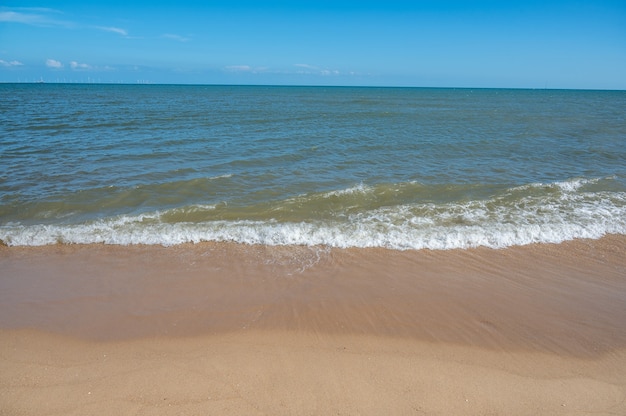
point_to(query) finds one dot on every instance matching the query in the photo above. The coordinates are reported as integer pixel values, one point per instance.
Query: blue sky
(529, 44)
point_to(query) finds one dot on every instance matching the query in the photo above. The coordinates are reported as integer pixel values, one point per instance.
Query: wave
(367, 216)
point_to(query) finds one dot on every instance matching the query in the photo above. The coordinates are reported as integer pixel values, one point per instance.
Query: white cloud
(117, 30)
(312, 69)
(300, 69)
(38, 9)
(248, 69)
(76, 66)
(239, 68)
(175, 37)
(51, 63)
(36, 16)
(39, 16)
(307, 66)
(10, 63)
(17, 17)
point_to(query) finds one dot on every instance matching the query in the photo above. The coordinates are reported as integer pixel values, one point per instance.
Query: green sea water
(402, 168)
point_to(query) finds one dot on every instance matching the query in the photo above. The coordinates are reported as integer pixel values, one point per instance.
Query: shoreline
(475, 296)
(231, 329)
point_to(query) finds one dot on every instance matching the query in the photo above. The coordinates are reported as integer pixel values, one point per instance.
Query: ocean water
(401, 168)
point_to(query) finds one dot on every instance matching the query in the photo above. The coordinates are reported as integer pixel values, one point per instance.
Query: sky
(472, 44)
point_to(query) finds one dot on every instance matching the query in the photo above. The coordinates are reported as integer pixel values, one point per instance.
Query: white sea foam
(491, 223)
(358, 189)
(224, 176)
(571, 185)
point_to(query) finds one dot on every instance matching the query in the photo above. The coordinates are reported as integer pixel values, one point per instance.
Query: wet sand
(234, 329)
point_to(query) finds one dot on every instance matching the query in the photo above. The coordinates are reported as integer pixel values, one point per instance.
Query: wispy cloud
(312, 69)
(307, 66)
(35, 16)
(52, 63)
(38, 16)
(111, 29)
(247, 68)
(175, 37)
(20, 17)
(30, 10)
(10, 63)
(239, 68)
(301, 69)
(77, 66)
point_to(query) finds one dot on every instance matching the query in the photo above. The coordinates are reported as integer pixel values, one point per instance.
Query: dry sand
(232, 329)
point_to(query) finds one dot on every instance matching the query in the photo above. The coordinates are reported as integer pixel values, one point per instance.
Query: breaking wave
(397, 216)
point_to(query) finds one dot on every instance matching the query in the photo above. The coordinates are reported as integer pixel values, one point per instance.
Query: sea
(395, 168)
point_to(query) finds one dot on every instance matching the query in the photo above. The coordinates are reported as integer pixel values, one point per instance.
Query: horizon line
(145, 83)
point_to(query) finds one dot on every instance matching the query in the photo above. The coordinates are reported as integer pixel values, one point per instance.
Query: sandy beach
(221, 328)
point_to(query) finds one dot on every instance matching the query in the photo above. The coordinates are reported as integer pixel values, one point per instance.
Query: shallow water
(342, 167)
